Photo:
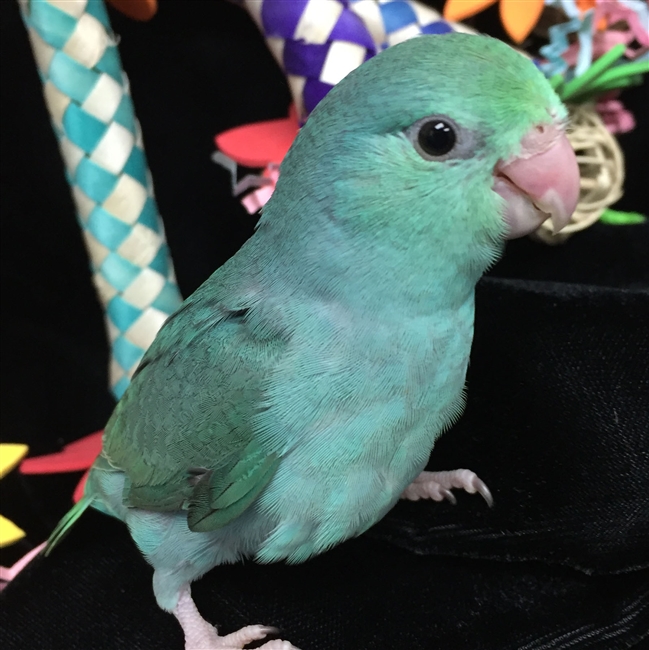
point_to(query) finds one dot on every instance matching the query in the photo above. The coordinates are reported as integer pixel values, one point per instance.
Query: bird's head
(453, 140)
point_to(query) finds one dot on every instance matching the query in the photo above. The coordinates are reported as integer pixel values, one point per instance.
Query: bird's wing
(183, 433)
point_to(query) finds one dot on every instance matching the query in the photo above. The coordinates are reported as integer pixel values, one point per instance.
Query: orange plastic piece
(460, 9)
(517, 16)
(136, 9)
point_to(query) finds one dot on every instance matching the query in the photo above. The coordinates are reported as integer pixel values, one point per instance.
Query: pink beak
(541, 183)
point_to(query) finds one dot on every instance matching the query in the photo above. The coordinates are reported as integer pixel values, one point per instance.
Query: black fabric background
(557, 421)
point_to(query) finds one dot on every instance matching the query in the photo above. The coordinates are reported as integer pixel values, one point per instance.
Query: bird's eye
(436, 137)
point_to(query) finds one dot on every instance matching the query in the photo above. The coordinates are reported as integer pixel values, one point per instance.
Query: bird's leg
(438, 485)
(200, 635)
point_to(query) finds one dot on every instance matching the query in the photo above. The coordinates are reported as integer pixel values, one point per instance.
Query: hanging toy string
(87, 95)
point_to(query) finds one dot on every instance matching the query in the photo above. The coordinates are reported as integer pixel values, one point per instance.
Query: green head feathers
(358, 154)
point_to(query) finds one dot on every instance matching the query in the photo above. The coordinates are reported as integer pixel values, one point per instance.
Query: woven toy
(317, 43)
(87, 95)
(581, 83)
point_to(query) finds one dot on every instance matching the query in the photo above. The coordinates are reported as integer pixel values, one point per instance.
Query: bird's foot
(200, 635)
(438, 485)
(239, 639)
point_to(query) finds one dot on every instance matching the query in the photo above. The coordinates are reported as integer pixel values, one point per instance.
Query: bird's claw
(439, 485)
(237, 640)
(241, 638)
(200, 635)
(481, 487)
(448, 495)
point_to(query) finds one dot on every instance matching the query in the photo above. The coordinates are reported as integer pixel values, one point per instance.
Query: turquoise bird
(297, 394)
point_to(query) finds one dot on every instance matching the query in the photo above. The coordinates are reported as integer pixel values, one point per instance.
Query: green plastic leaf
(599, 67)
(617, 218)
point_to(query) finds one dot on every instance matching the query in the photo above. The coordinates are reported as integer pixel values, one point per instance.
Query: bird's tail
(65, 525)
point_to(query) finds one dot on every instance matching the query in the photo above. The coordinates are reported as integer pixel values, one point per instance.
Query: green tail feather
(65, 525)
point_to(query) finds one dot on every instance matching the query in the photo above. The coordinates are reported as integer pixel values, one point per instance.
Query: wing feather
(183, 433)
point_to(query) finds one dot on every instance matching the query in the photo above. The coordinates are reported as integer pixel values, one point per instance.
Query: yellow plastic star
(517, 16)
(10, 456)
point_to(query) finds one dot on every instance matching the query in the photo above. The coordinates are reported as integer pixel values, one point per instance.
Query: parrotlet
(297, 394)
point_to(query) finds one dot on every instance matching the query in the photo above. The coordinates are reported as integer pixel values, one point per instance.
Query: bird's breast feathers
(356, 415)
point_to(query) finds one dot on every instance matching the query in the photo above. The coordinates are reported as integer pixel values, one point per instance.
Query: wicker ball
(601, 167)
